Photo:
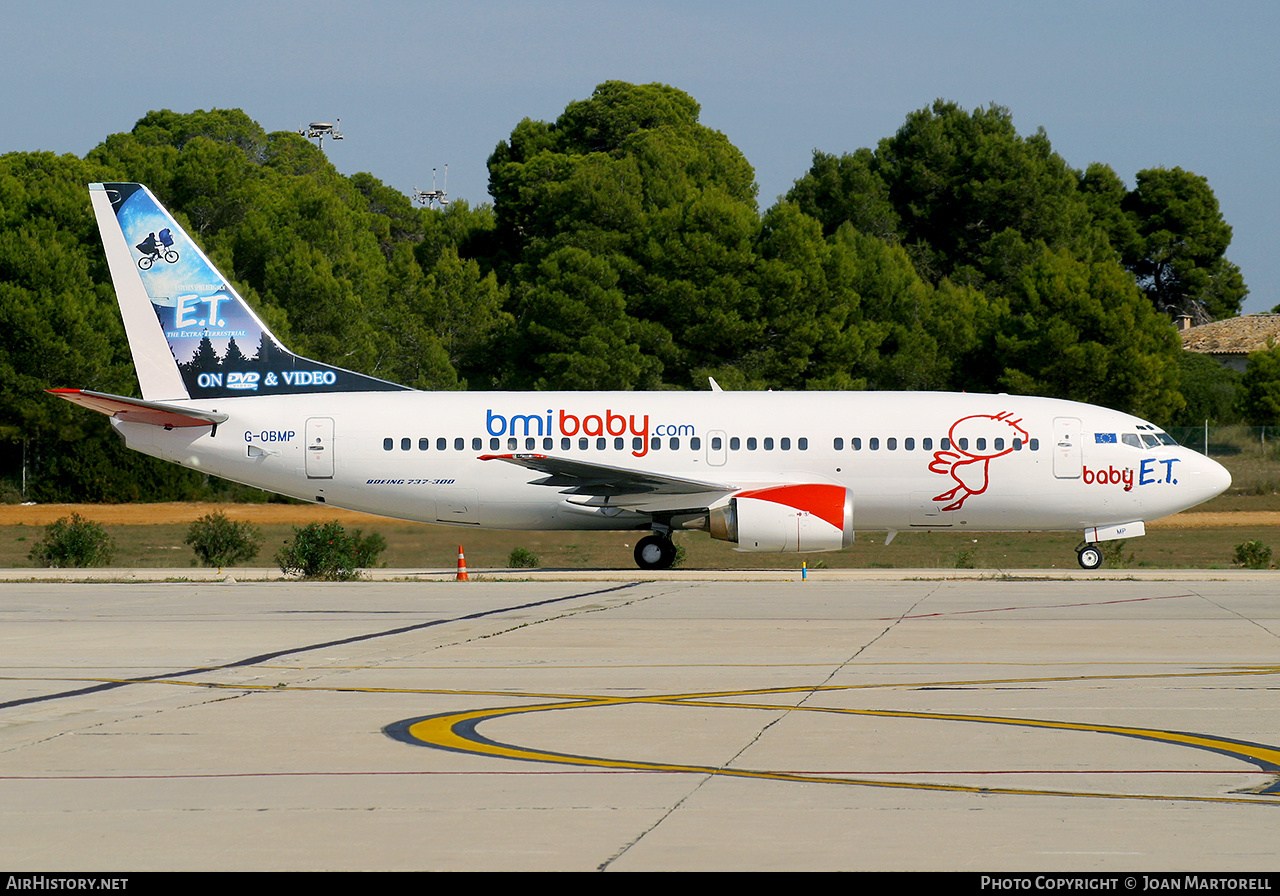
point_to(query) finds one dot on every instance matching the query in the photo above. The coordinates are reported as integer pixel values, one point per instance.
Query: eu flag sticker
(1104, 438)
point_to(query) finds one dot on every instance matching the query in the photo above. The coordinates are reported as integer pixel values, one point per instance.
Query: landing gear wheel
(1089, 556)
(655, 552)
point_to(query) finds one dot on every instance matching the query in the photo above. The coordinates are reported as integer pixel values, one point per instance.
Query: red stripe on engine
(823, 501)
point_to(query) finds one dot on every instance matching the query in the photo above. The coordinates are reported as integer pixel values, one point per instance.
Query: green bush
(1253, 555)
(75, 542)
(326, 551)
(522, 558)
(220, 542)
(1114, 556)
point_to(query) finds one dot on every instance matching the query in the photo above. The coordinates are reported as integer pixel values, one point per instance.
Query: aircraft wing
(135, 410)
(601, 481)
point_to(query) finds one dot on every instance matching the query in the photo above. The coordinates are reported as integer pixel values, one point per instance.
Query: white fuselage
(919, 460)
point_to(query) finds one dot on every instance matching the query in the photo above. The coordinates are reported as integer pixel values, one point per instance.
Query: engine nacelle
(794, 518)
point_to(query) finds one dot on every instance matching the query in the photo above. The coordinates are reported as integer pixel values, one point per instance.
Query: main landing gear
(655, 551)
(1089, 556)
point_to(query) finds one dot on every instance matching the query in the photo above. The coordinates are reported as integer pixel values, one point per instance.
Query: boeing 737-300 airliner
(765, 471)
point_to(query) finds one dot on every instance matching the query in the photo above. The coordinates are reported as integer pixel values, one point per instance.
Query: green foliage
(1213, 392)
(337, 267)
(522, 558)
(1114, 556)
(625, 231)
(1260, 388)
(966, 558)
(1015, 255)
(73, 542)
(218, 541)
(625, 250)
(1252, 555)
(847, 190)
(1176, 249)
(1082, 329)
(963, 182)
(326, 551)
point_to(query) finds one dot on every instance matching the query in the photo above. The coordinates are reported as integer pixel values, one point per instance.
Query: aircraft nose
(1212, 478)
(1218, 478)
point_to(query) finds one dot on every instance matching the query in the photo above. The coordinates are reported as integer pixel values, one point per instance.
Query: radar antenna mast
(318, 130)
(433, 197)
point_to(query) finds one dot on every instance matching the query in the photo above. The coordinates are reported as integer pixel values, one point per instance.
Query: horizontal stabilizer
(135, 410)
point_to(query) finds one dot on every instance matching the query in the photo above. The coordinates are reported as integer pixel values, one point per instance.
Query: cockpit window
(1131, 439)
(1150, 440)
(1166, 439)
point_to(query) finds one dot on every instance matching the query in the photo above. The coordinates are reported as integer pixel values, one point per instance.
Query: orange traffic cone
(462, 566)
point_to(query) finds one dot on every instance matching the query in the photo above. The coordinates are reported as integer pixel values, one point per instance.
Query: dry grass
(152, 536)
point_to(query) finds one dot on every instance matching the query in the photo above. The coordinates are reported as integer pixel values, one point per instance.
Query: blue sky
(418, 85)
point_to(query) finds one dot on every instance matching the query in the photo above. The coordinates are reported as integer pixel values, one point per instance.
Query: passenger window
(982, 444)
(566, 443)
(855, 444)
(999, 444)
(891, 444)
(804, 444)
(405, 444)
(695, 443)
(388, 444)
(654, 444)
(964, 444)
(838, 444)
(751, 443)
(784, 444)
(511, 444)
(946, 444)
(548, 444)
(530, 443)
(909, 444)
(619, 443)
(734, 443)
(873, 444)
(768, 443)
(637, 443)
(477, 444)
(583, 444)
(1035, 445)
(424, 444)
(716, 443)
(459, 444)
(602, 443)
(494, 444)
(675, 444)
(926, 444)
(1017, 444)
(443, 443)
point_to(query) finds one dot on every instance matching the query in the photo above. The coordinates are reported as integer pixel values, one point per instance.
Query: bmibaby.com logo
(565, 424)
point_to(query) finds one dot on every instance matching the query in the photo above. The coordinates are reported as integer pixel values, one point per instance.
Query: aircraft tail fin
(191, 333)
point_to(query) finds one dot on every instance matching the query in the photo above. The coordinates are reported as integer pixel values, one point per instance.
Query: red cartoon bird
(975, 440)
